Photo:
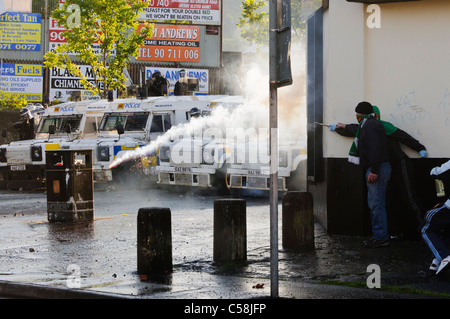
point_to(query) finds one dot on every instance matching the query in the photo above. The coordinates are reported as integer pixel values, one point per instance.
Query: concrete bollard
(297, 221)
(230, 230)
(154, 241)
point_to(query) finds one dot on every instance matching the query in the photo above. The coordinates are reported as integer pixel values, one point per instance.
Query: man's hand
(372, 178)
(423, 154)
(333, 127)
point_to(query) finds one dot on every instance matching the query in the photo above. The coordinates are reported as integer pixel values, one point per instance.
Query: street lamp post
(280, 75)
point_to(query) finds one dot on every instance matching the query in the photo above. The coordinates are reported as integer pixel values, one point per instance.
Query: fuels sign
(24, 81)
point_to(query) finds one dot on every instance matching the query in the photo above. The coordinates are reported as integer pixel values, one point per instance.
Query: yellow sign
(29, 69)
(24, 81)
(20, 31)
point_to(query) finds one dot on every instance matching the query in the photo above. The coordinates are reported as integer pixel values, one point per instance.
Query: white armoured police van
(208, 159)
(22, 163)
(131, 124)
(198, 158)
(247, 173)
(219, 163)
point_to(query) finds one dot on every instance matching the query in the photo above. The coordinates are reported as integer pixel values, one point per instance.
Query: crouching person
(436, 221)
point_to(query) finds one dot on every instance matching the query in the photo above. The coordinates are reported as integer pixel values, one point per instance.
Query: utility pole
(46, 99)
(280, 75)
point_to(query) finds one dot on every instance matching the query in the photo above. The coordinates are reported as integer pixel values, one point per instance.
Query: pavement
(43, 260)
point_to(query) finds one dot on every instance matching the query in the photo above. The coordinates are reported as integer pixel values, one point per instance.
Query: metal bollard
(230, 230)
(154, 241)
(298, 221)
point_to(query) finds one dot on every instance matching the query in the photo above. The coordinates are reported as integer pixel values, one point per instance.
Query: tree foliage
(113, 26)
(254, 20)
(11, 102)
(254, 25)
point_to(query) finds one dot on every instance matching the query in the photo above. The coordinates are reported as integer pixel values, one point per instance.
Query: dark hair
(364, 108)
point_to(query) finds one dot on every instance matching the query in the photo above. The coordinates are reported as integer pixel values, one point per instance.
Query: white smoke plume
(253, 114)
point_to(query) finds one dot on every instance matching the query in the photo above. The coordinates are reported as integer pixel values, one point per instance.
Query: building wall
(403, 68)
(407, 70)
(343, 69)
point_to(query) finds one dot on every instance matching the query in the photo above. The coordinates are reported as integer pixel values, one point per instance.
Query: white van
(131, 124)
(245, 174)
(204, 160)
(22, 163)
(197, 159)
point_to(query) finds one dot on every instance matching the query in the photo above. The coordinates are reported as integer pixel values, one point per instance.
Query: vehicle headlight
(2, 155)
(208, 154)
(283, 159)
(164, 153)
(103, 153)
(36, 153)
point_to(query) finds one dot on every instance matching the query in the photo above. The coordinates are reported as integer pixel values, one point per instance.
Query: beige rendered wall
(403, 67)
(343, 58)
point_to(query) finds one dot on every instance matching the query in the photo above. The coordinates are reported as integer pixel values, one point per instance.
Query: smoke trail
(248, 115)
(253, 114)
(291, 99)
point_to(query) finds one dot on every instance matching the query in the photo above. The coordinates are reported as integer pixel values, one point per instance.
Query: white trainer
(435, 264)
(444, 265)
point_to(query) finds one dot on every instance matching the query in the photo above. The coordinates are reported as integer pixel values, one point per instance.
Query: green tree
(11, 102)
(301, 10)
(111, 24)
(254, 21)
(254, 25)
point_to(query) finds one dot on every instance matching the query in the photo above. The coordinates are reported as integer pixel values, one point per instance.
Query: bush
(12, 103)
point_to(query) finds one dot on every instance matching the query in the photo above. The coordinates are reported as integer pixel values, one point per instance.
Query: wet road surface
(104, 251)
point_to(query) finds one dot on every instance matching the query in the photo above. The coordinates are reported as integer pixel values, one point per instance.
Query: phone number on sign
(169, 54)
(31, 97)
(20, 47)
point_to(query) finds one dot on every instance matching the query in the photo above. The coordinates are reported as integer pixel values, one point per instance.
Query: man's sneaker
(434, 264)
(444, 265)
(375, 243)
